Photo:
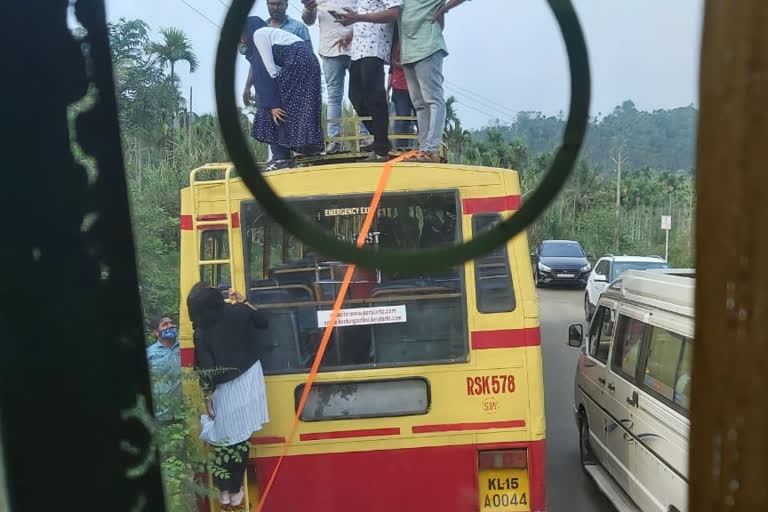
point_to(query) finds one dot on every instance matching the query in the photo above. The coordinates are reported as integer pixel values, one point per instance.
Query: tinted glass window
(682, 394)
(600, 333)
(668, 369)
(493, 279)
(629, 340)
(342, 400)
(603, 267)
(563, 250)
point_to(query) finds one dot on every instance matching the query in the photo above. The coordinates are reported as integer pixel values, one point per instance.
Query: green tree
(175, 47)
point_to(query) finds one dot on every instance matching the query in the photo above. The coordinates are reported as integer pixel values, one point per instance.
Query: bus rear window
(493, 279)
(371, 399)
(387, 320)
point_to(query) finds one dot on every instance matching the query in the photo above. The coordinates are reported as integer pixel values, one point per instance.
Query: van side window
(600, 333)
(668, 370)
(493, 279)
(629, 340)
(602, 268)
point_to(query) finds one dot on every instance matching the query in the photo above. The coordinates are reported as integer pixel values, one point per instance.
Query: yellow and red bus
(430, 395)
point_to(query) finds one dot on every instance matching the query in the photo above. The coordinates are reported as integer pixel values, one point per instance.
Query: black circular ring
(412, 261)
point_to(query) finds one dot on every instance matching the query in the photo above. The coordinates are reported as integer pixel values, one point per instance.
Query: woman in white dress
(227, 351)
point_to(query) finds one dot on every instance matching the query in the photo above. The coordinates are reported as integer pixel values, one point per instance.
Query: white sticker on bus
(364, 316)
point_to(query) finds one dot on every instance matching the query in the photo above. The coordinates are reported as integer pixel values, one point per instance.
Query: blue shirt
(165, 371)
(296, 28)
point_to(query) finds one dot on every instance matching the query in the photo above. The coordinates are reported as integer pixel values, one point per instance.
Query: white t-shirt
(373, 39)
(330, 31)
(265, 38)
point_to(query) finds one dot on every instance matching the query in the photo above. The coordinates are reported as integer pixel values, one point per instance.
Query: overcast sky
(505, 55)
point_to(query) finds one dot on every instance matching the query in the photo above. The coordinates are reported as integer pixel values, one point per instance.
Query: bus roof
(350, 178)
(669, 289)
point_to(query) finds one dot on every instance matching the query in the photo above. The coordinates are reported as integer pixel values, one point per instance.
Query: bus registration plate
(504, 490)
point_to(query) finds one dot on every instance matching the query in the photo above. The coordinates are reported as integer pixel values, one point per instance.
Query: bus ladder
(200, 222)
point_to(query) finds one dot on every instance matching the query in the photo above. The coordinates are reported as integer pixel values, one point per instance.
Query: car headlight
(586, 268)
(544, 268)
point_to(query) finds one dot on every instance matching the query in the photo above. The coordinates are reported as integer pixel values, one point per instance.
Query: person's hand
(209, 408)
(247, 97)
(344, 42)
(279, 115)
(235, 296)
(310, 4)
(349, 17)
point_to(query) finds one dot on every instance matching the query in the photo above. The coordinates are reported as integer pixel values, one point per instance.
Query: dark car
(560, 262)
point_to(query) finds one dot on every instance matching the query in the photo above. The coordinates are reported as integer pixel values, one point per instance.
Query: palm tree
(174, 48)
(450, 113)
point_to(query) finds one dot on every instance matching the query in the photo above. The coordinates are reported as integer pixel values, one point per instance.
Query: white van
(633, 387)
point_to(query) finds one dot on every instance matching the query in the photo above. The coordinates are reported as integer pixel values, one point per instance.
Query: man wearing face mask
(164, 358)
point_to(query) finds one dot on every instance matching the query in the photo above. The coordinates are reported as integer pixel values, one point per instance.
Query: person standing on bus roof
(164, 359)
(228, 356)
(286, 75)
(401, 98)
(336, 60)
(278, 18)
(423, 51)
(371, 44)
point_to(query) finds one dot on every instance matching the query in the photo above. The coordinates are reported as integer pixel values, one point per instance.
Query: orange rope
(383, 179)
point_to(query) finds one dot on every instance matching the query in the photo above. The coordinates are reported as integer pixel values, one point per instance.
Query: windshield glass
(620, 267)
(387, 319)
(562, 250)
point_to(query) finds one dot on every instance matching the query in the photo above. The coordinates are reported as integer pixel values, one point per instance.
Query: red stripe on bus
(442, 478)
(187, 357)
(267, 440)
(506, 338)
(344, 434)
(453, 427)
(491, 204)
(186, 221)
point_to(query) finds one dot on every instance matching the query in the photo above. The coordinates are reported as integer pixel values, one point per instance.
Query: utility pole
(666, 245)
(189, 112)
(619, 161)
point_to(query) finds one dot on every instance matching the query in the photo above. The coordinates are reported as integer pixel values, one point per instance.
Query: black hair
(154, 322)
(204, 304)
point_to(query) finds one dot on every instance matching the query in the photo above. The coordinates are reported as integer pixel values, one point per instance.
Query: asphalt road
(569, 489)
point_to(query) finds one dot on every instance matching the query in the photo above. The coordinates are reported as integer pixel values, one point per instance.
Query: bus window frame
(643, 363)
(216, 269)
(300, 387)
(460, 269)
(476, 218)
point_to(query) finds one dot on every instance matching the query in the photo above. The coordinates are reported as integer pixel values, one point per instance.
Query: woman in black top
(226, 338)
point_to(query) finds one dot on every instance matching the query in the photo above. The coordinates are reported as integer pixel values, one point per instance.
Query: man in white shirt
(371, 44)
(335, 59)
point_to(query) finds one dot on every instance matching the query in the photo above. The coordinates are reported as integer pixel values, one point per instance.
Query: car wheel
(586, 454)
(587, 307)
(538, 283)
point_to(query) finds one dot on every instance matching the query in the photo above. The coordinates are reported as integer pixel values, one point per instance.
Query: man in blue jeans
(423, 51)
(278, 18)
(336, 60)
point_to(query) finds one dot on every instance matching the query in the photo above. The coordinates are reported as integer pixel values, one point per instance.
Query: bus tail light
(503, 482)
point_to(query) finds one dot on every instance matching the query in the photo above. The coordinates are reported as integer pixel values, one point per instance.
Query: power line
(477, 109)
(201, 14)
(487, 102)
